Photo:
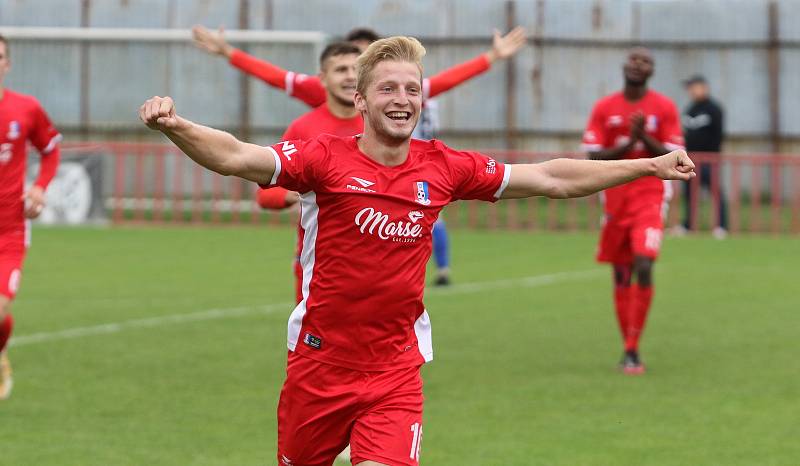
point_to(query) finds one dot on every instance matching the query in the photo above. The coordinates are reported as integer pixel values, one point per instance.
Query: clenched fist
(159, 113)
(675, 165)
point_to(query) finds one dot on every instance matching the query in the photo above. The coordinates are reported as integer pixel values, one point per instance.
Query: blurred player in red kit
(633, 123)
(22, 120)
(360, 335)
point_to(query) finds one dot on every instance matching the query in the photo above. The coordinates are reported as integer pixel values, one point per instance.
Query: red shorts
(323, 407)
(627, 236)
(12, 255)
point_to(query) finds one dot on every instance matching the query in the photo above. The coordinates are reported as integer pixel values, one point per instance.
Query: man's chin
(345, 100)
(396, 136)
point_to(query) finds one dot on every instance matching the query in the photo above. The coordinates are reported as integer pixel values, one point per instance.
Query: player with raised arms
(315, 92)
(22, 120)
(358, 339)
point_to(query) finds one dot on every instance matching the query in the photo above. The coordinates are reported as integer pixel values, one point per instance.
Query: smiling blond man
(361, 333)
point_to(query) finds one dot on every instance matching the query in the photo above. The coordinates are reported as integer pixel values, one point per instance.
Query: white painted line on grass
(222, 313)
(522, 282)
(115, 327)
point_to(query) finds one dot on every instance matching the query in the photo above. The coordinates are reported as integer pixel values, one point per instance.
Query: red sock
(5, 330)
(622, 300)
(641, 297)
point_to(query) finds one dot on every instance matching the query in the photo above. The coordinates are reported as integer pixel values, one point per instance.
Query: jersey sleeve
(44, 136)
(452, 77)
(300, 86)
(594, 137)
(307, 88)
(299, 165)
(477, 176)
(671, 132)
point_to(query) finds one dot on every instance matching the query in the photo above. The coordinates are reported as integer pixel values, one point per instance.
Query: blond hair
(397, 48)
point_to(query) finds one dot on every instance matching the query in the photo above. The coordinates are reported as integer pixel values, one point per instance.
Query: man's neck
(634, 92)
(2, 91)
(340, 110)
(385, 152)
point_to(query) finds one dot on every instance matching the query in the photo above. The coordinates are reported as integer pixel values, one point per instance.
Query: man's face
(5, 64)
(339, 77)
(697, 91)
(393, 99)
(639, 66)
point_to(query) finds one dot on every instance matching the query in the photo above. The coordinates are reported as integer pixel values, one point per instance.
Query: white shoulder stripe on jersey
(277, 166)
(671, 146)
(52, 144)
(504, 184)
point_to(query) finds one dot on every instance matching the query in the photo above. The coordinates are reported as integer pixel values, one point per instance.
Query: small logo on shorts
(312, 341)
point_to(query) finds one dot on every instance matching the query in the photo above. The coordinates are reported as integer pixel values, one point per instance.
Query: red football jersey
(367, 240)
(609, 126)
(22, 119)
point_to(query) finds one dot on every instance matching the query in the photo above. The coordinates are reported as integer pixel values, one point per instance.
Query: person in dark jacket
(703, 130)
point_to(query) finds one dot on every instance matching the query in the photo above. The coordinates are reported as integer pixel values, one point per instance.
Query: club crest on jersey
(421, 190)
(13, 130)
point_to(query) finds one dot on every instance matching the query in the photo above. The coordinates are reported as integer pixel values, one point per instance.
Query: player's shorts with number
(634, 234)
(12, 255)
(324, 407)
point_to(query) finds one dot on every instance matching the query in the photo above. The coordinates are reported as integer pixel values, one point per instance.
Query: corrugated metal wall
(575, 57)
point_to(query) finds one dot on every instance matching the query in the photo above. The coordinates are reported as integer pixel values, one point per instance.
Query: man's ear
(361, 103)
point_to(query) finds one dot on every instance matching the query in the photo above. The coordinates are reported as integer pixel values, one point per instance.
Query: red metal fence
(155, 183)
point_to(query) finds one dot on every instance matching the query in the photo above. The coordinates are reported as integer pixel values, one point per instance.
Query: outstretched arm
(213, 149)
(502, 47)
(306, 88)
(567, 178)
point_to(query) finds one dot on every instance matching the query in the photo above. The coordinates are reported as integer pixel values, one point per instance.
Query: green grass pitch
(145, 346)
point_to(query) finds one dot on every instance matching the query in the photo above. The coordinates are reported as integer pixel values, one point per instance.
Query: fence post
(736, 194)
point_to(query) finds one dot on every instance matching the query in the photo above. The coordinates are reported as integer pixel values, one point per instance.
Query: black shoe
(442, 280)
(631, 364)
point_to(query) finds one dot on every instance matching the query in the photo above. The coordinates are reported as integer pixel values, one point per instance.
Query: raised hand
(210, 41)
(158, 113)
(675, 165)
(505, 46)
